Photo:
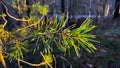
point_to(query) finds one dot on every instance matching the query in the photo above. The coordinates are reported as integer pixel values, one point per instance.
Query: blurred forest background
(105, 14)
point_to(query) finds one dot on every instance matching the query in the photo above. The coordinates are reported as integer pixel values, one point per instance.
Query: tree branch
(5, 21)
(31, 64)
(29, 25)
(6, 9)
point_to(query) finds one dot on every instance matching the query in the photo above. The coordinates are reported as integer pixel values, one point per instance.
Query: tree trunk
(106, 10)
(28, 11)
(62, 6)
(117, 9)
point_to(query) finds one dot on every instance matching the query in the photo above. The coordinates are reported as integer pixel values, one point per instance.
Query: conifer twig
(31, 64)
(5, 21)
(30, 25)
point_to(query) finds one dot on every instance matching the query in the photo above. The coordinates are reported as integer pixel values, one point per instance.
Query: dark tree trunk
(62, 6)
(44, 1)
(28, 11)
(117, 9)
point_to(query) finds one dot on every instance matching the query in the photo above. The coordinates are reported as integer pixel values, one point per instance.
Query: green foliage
(4, 15)
(67, 39)
(83, 36)
(4, 35)
(43, 36)
(14, 2)
(48, 58)
(40, 9)
(16, 52)
(79, 37)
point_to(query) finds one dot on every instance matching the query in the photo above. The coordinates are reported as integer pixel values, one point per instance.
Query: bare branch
(28, 63)
(65, 60)
(17, 19)
(36, 65)
(54, 61)
(30, 25)
(5, 21)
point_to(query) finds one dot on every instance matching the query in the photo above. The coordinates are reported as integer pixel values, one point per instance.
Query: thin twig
(1, 55)
(6, 9)
(18, 63)
(28, 63)
(5, 21)
(29, 25)
(54, 61)
(31, 64)
(27, 6)
(65, 60)
(67, 17)
(46, 60)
